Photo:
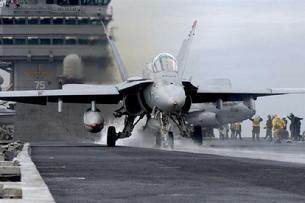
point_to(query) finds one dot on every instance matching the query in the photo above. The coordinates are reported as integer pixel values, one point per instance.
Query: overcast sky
(257, 43)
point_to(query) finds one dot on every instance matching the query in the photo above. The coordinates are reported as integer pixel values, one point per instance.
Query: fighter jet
(161, 93)
(207, 115)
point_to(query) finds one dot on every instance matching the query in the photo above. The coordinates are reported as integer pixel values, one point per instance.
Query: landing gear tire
(197, 135)
(170, 140)
(111, 136)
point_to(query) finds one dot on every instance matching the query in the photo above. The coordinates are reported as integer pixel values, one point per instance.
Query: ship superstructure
(37, 35)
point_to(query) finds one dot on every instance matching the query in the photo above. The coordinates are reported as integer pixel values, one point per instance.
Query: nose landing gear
(164, 139)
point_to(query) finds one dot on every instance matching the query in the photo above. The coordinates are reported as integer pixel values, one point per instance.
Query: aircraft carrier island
(45, 44)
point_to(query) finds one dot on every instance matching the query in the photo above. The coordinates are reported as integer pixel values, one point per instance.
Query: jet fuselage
(166, 92)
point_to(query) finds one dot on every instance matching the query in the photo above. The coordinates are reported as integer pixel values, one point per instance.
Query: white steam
(245, 148)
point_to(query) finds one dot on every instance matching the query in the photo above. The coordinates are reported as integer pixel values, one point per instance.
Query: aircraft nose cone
(170, 98)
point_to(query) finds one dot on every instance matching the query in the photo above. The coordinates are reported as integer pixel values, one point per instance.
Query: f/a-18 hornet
(161, 93)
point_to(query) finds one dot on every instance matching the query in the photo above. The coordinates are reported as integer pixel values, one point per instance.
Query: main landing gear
(129, 124)
(111, 136)
(164, 139)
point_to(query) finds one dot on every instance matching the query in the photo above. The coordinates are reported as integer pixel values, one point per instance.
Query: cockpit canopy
(164, 62)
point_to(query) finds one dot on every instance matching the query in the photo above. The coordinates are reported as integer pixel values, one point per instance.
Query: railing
(53, 10)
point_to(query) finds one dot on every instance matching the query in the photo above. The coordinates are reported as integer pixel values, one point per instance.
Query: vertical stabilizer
(184, 50)
(117, 56)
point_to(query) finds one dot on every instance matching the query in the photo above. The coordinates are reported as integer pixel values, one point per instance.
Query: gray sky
(257, 43)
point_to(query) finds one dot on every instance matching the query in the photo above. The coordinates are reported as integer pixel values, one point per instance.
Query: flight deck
(94, 173)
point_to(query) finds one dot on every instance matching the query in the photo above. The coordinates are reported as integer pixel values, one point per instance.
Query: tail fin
(184, 50)
(116, 55)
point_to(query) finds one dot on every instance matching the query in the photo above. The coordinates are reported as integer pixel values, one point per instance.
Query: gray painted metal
(208, 115)
(117, 57)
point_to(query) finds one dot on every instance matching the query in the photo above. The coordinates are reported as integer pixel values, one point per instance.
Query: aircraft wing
(73, 93)
(206, 94)
(78, 93)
